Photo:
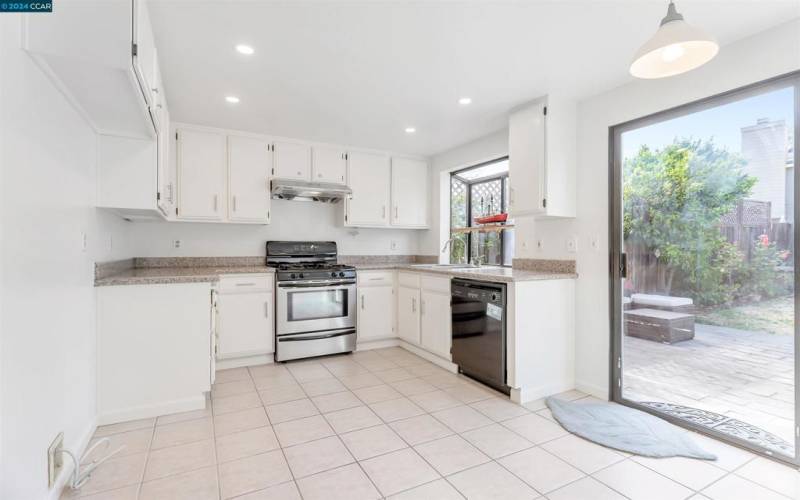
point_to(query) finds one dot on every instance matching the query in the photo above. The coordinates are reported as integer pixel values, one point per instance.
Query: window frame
(504, 179)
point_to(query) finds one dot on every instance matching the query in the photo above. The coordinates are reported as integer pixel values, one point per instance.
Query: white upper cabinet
(201, 175)
(292, 161)
(409, 193)
(329, 164)
(144, 53)
(542, 158)
(166, 177)
(249, 162)
(369, 176)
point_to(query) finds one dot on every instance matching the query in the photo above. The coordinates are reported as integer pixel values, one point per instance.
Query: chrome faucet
(450, 242)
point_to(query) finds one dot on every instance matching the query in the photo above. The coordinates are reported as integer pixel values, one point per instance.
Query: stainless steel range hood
(324, 192)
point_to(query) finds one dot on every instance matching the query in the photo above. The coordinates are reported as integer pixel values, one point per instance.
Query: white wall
(291, 220)
(47, 361)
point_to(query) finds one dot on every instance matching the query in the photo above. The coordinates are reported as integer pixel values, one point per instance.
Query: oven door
(315, 306)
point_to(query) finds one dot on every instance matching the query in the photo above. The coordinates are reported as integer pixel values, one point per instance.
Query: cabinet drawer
(408, 279)
(245, 282)
(435, 283)
(375, 278)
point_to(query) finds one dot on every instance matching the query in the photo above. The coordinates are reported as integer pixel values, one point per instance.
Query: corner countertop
(485, 273)
(170, 275)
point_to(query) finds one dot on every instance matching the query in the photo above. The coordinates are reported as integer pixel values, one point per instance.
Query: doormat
(726, 425)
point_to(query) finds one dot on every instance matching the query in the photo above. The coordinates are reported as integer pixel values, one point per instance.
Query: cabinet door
(328, 165)
(245, 324)
(409, 192)
(201, 175)
(526, 155)
(144, 62)
(375, 318)
(292, 161)
(166, 186)
(435, 322)
(369, 176)
(249, 162)
(408, 314)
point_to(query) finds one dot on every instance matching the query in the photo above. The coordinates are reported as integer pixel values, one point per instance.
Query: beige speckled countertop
(485, 273)
(163, 275)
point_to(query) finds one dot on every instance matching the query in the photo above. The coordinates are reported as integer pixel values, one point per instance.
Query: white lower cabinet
(408, 314)
(435, 322)
(423, 312)
(375, 309)
(245, 322)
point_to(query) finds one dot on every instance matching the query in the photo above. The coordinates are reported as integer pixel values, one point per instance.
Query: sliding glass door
(703, 313)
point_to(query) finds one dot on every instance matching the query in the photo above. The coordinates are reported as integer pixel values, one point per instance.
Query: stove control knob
(341, 274)
(333, 275)
(300, 276)
(292, 276)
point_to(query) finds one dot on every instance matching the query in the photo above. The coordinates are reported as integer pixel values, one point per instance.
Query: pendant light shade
(676, 48)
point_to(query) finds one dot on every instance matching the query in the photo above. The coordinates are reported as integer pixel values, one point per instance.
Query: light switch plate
(572, 244)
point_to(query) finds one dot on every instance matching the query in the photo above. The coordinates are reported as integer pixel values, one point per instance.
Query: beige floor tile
(585, 489)
(461, 418)
(435, 400)
(377, 393)
(231, 375)
(336, 401)
(323, 386)
(546, 413)
(107, 430)
(182, 433)
(535, 405)
(184, 416)
(372, 441)
(499, 409)
(277, 379)
(469, 392)
(497, 441)
(698, 497)
(232, 388)
(246, 443)
(733, 487)
(425, 369)
(451, 454)
(435, 490)
(283, 491)
(490, 481)
(571, 395)
(317, 456)
(442, 380)
(267, 370)
(420, 429)
(394, 375)
(728, 457)
(281, 394)
(307, 371)
(541, 470)
(283, 412)
(302, 430)
(200, 484)
(378, 364)
(240, 421)
(692, 473)
(398, 471)
(126, 493)
(132, 442)
(412, 386)
(352, 419)
(775, 476)
(360, 381)
(253, 473)
(236, 403)
(396, 409)
(637, 482)
(178, 459)
(115, 473)
(344, 483)
(585, 455)
(534, 428)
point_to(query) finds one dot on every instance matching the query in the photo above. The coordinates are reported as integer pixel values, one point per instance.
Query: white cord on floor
(79, 477)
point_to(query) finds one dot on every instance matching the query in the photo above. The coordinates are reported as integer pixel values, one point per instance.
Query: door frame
(616, 260)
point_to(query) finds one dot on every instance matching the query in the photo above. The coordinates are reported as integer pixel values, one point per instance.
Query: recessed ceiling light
(465, 100)
(232, 99)
(410, 130)
(244, 49)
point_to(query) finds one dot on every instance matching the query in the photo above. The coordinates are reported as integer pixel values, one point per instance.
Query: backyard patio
(723, 378)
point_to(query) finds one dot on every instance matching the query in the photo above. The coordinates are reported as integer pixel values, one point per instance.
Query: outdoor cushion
(660, 300)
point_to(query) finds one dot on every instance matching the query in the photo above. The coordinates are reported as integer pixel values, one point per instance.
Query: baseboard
(600, 392)
(523, 395)
(377, 344)
(176, 406)
(441, 362)
(257, 359)
(69, 466)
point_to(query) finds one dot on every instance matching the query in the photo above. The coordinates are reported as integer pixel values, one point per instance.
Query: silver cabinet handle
(155, 90)
(395, 213)
(245, 284)
(171, 195)
(362, 301)
(234, 203)
(383, 212)
(376, 279)
(299, 173)
(413, 304)
(266, 309)
(215, 202)
(422, 307)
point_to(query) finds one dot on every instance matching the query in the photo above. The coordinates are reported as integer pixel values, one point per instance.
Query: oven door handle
(315, 337)
(310, 284)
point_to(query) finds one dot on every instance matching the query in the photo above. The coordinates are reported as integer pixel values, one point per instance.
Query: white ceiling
(358, 73)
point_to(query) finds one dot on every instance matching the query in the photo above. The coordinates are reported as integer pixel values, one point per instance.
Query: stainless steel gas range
(315, 302)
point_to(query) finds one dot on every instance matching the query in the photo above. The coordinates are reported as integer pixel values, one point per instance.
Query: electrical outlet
(540, 245)
(55, 459)
(393, 245)
(596, 243)
(572, 244)
(176, 243)
(84, 241)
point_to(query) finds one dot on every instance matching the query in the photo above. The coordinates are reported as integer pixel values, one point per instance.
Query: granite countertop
(165, 271)
(485, 273)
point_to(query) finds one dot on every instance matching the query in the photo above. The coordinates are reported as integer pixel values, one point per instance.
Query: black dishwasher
(479, 331)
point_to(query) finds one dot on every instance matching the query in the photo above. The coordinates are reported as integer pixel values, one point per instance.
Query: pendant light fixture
(676, 48)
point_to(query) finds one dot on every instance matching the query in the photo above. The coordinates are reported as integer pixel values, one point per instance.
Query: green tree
(674, 200)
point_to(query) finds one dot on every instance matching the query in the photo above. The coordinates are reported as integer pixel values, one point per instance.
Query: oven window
(316, 304)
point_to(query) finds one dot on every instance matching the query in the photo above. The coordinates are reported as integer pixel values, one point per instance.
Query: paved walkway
(740, 374)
